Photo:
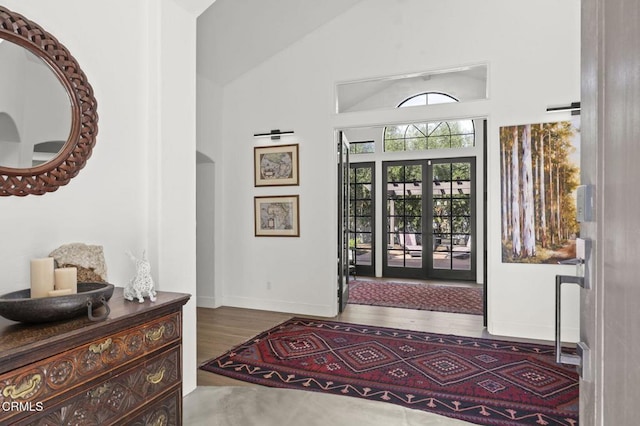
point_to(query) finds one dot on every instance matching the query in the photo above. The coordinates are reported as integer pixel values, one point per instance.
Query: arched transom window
(429, 135)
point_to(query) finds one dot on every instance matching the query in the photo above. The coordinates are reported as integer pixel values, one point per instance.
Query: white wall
(205, 235)
(137, 190)
(171, 153)
(105, 203)
(533, 54)
(210, 226)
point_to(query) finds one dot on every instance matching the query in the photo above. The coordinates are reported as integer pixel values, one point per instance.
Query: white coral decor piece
(141, 284)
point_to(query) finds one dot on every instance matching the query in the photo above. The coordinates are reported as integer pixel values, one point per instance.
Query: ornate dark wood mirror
(48, 116)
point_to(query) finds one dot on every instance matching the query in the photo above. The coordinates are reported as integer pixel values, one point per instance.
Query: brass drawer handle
(101, 347)
(101, 390)
(23, 389)
(156, 378)
(160, 421)
(155, 334)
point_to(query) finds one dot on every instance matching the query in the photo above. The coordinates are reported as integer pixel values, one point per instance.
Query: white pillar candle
(42, 277)
(60, 292)
(67, 278)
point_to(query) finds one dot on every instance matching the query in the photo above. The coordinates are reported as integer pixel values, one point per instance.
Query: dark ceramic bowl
(18, 306)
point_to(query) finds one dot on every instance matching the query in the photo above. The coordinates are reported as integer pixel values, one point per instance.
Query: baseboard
(529, 331)
(280, 306)
(206, 302)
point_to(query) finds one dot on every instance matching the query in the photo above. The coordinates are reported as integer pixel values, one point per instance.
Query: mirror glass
(48, 113)
(35, 109)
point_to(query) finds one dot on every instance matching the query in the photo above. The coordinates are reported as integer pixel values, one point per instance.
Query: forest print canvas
(540, 171)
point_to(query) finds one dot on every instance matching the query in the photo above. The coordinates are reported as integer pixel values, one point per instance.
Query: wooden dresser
(126, 370)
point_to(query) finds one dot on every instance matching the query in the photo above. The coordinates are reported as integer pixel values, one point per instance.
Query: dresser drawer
(41, 381)
(105, 403)
(166, 412)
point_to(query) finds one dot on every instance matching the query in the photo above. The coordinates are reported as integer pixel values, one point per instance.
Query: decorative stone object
(89, 259)
(141, 284)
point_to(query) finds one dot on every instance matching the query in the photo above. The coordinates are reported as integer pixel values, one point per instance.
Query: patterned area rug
(487, 382)
(426, 297)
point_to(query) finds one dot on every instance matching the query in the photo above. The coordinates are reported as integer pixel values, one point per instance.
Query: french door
(344, 263)
(404, 208)
(429, 219)
(362, 234)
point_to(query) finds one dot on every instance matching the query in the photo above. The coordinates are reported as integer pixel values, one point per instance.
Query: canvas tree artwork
(540, 171)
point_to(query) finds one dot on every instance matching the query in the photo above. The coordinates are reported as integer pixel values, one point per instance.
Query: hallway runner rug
(426, 297)
(482, 381)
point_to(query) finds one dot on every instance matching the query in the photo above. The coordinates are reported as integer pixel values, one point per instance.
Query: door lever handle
(568, 279)
(581, 359)
(562, 358)
(581, 269)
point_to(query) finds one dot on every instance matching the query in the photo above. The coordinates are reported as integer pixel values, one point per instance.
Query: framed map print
(276, 165)
(277, 216)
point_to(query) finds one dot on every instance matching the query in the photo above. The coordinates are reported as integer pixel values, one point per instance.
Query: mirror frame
(57, 172)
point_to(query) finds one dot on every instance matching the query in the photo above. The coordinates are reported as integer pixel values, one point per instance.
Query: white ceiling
(195, 6)
(235, 36)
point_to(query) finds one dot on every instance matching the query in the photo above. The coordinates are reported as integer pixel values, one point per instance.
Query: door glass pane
(395, 206)
(414, 206)
(461, 171)
(460, 207)
(404, 216)
(361, 248)
(413, 174)
(363, 257)
(362, 208)
(361, 223)
(363, 174)
(362, 191)
(396, 224)
(452, 220)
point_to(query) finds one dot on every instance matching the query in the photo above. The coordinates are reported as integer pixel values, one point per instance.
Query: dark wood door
(343, 223)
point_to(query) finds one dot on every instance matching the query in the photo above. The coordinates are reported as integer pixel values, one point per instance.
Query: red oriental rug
(483, 381)
(426, 297)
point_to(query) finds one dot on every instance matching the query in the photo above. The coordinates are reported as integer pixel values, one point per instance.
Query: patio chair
(409, 244)
(462, 251)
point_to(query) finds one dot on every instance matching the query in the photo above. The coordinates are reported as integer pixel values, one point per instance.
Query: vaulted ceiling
(235, 36)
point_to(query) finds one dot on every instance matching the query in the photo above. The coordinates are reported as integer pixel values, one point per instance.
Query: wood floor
(223, 328)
